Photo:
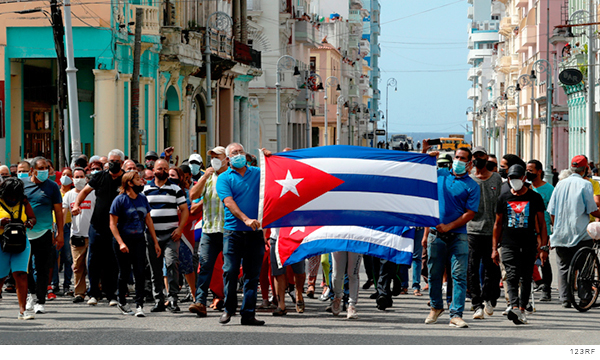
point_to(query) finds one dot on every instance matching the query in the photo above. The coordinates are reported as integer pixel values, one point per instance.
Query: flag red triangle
(289, 184)
(518, 206)
(290, 238)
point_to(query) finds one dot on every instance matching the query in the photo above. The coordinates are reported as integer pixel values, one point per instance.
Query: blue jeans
(238, 245)
(102, 264)
(457, 250)
(417, 263)
(210, 247)
(66, 259)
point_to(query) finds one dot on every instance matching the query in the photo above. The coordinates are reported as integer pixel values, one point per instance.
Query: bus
(453, 143)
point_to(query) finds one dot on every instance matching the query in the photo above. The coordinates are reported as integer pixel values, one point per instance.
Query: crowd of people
(120, 230)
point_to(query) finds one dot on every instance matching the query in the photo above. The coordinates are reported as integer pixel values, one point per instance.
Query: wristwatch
(545, 248)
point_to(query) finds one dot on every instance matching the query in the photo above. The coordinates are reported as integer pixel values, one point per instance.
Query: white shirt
(80, 224)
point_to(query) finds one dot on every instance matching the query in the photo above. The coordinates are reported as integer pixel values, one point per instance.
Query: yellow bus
(451, 144)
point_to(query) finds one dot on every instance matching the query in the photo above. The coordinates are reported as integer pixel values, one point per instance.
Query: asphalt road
(74, 324)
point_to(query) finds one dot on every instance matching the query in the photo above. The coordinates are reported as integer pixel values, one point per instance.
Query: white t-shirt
(80, 224)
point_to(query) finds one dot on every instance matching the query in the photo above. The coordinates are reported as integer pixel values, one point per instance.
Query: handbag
(77, 241)
(14, 238)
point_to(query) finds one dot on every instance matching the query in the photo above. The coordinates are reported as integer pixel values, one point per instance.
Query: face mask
(52, 177)
(11, 203)
(161, 175)
(490, 165)
(516, 184)
(531, 176)
(22, 175)
(459, 167)
(79, 183)
(238, 161)
(137, 188)
(94, 172)
(42, 175)
(195, 168)
(114, 167)
(150, 164)
(148, 182)
(503, 173)
(174, 181)
(480, 163)
(216, 164)
(248, 163)
(65, 180)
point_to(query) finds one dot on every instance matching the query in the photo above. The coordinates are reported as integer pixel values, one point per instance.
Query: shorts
(14, 262)
(186, 259)
(298, 268)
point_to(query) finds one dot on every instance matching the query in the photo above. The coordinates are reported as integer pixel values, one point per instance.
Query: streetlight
(394, 83)
(354, 109)
(221, 22)
(510, 91)
(543, 66)
(486, 124)
(338, 125)
(329, 82)
(518, 137)
(312, 82)
(285, 62)
(529, 80)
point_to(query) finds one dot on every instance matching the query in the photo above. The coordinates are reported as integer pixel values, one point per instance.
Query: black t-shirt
(107, 190)
(519, 217)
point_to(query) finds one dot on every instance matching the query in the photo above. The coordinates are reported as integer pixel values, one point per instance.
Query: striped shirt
(164, 203)
(213, 210)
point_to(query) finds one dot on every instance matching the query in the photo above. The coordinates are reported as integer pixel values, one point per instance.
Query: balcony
(478, 54)
(150, 25)
(355, 16)
(184, 46)
(522, 3)
(244, 54)
(470, 12)
(221, 44)
(365, 47)
(353, 42)
(473, 93)
(477, 36)
(508, 24)
(353, 90)
(528, 35)
(305, 33)
(473, 73)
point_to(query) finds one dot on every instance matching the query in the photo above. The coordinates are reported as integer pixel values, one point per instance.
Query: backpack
(14, 238)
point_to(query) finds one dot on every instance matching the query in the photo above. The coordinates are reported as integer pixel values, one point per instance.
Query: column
(105, 105)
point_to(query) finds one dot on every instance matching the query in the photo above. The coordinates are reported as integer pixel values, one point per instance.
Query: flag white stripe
(368, 201)
(407, 170)
(363, 234)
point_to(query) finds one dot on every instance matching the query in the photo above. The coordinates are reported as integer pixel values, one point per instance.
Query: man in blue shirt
(44, 197)
(239, 189)
(570, 206)
(458, 197)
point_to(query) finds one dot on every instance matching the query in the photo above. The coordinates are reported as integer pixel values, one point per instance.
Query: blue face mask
(42, 175)
(238, 161)
(22, 175)
(195, 169)
(459, 167)
(95, 172)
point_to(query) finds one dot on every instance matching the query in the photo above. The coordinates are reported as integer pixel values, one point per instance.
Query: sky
(424, 47)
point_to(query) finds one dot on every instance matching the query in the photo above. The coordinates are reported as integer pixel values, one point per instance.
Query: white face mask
(516, 184)
(79, 183)
(216, 163)
(65, 180)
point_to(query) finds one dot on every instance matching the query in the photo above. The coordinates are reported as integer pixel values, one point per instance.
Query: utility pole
(58, 32)
(72, 85)
(135, 86)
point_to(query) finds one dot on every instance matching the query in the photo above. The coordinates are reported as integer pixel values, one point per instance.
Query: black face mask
(490, 165)
(503, 173)
(161, 175)
(12, 202)
(479, 163)
(531, 176)
(150, 164)
(114, 167)
(174, 181)
(137, 188)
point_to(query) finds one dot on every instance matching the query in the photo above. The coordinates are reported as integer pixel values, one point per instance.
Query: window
(313, 64)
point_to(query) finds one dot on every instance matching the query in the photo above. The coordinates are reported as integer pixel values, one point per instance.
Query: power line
(422, 12)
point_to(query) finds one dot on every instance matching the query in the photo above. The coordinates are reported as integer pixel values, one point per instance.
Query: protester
(65, 260)
(129, 217)
(150, 159)
(492, 163)
(345, 262)
(195, 164)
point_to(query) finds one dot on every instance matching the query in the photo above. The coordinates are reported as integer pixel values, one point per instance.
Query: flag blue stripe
(388, 185)
(358, 152)
(318, 247)
(352, 217)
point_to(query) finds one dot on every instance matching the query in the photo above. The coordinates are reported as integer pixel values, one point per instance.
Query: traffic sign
(380, 132)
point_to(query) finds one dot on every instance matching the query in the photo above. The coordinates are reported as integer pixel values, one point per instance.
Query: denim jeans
(170, 254)
(417, 262)
(457, 251)
(66, 259)
(249, 246)
(102, 263)
(210, 247)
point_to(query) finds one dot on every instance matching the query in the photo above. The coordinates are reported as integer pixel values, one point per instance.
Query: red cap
(579, 161)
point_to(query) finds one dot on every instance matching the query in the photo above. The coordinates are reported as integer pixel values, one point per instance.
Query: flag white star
(297, 229)
(289, 184)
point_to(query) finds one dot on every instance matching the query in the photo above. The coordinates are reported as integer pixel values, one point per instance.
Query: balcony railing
(150, 26)
(528, 35)
(246, 55)
(253, 5)
(305, 33)
(221, 44)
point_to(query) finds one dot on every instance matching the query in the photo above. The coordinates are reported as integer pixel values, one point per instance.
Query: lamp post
(510, 91)
(329, 82)
(221, 22)
(313, 83)
(518, 137)
(355, 108)
(338, 125)
(285, 62)
(543, 66)
(529, 80)
(498, 102)
(487, 111)
(394, 83)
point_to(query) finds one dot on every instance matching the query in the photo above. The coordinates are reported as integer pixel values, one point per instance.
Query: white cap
(196, 157)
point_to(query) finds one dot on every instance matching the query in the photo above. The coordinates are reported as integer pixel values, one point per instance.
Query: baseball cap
(444, 159)
(579, 161)
(197, 158)
(219, 150)
(479, 149)
(516, 171)
(151, 154)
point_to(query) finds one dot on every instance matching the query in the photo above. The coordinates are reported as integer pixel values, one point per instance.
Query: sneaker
(78, 299)
(68, 292)
(173, 307)
(352, 312)
(566, 304)
(508, 309)
(489, 309)
(30, 302)
(325, 295)
(336, 306)
(479, 314)
(92, 301)
(546, 297)
(433, 316)
(139, 311)
(50, 295)
(125, 309)
(458, 322)
(113, 302)
(517, 317)
(39, 309)
(26, 315)
(530, 309)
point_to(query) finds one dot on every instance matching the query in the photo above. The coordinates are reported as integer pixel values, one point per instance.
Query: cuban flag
(393, 243)
(192, 231)
(342, 185)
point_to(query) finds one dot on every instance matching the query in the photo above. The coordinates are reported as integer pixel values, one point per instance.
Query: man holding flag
(459, 197)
